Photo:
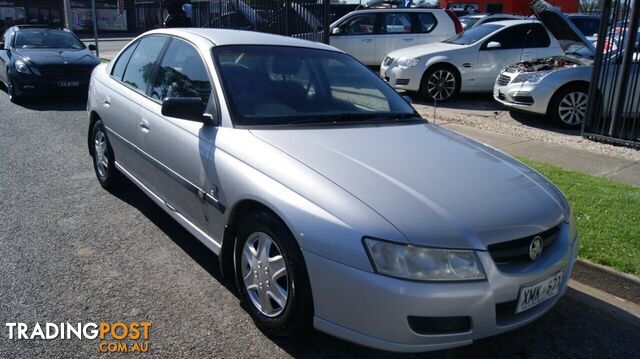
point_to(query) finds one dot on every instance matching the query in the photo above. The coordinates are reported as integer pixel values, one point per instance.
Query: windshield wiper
(355, 118)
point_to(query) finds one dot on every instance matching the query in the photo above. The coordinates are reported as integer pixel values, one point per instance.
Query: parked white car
(556, 86)
(369, 35)
(475, 20)
(467, 62)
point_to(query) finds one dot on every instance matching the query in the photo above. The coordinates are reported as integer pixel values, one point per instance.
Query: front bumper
(373, 310)
(402, 78)
(29, 84)
(527, 97)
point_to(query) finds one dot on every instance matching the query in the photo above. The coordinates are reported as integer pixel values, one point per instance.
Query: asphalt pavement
(73, 252)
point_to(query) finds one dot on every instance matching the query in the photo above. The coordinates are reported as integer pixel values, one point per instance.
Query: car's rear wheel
(271, 276)
(440, 83)
(569, 106)
(103, 159)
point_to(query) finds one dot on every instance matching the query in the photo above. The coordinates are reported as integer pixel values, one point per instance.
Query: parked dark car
(36, 59)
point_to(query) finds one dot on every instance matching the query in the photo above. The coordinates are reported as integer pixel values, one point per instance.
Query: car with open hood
(38, 59)
(556, 86)
(328, 199)
(469, 61)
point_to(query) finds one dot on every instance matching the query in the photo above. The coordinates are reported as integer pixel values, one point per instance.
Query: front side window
(140, 68)
(279, 85)
(396, 23)
(47, 39)
(521, 36)
(359, 25)
(474, 35)
(182, 73)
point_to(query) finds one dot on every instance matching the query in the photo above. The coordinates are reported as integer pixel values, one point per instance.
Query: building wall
(508, 6)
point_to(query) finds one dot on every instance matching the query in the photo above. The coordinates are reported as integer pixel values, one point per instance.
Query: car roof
(241, 37)
(513, 22)
(397, 9)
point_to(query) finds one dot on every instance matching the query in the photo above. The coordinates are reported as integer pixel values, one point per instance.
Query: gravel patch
(493, 124)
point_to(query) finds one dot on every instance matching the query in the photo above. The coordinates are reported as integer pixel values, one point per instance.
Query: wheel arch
(93, 117)
(564, 87)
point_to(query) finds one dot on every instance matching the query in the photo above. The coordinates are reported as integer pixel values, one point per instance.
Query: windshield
(468, 21)
(474, 35)
(49, 39)
(587, 26)
(279, 85)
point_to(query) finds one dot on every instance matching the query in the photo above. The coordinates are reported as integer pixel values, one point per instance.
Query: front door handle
(106, 102)
(144, 125)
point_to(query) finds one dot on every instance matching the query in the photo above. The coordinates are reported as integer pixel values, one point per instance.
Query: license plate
(534, 294)
(68, 83)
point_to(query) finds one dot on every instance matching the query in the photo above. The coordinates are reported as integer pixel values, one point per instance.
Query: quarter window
(182, 73)
(121, 62)
(396, 23)
(140, 68)
(426, 21)
(359, 25)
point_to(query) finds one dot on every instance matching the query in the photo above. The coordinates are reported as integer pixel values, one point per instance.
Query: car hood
(560, 26)
(425, 50)
(438, 188)
(41, 57)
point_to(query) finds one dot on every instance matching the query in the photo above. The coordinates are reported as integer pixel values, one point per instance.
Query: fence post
(326, 21)
(287, 7)
(624, 67)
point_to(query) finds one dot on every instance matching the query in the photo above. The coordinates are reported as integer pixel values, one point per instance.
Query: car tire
(440, 83)
(568, 107)
(11, 90)
(103, 158)
(275, 292)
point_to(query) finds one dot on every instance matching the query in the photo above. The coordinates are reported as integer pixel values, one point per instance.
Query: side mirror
(407, 99)
(92, 47)
(1, 45)
(494, 45)
(335, 31)
(184, 108)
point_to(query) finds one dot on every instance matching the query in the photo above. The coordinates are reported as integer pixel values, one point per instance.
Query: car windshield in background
(587, 26)
(468, 21)
(280, 85)
(471, 36)
(47, 39)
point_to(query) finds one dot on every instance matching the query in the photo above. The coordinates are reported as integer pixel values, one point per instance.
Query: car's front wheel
(439, 83)
(103, 159)
(569, 106)
(11, 89)
(271, 276)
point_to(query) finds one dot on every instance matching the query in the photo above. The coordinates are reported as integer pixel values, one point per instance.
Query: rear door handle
(107, 101)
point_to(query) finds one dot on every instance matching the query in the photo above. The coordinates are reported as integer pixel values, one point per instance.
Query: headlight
(530, 77)
(22, 67)
(408, 61)
(421, 263)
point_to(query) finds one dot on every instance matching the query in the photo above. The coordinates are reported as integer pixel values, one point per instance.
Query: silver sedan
(328, 200)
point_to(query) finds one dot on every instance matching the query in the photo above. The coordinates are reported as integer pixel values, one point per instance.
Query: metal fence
(613, 111)
(308, 19)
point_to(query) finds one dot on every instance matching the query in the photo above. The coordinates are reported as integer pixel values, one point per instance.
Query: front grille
(387, 61)
(503, 80)
(402, 82)
(502, 96)
(517, 251)
(66, 72)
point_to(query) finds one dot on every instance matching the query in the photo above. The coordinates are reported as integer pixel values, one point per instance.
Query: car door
(424, 25)
(180, 150)
(395, 32)
(120, 100)
(355, 36)
(504, 48)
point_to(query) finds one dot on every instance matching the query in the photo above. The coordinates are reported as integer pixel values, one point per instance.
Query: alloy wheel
(572, 109)
(264, 274)
(101, 153)
(441, 85)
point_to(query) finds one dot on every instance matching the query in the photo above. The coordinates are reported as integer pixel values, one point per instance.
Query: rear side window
(122, 61)
(182, 73)
(141, 65)
(426, 22)
(396, 23)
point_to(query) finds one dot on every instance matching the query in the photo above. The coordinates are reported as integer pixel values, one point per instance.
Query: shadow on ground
(69, 101)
